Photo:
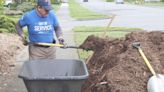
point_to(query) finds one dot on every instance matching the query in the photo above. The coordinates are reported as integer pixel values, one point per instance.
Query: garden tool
(156, 82)
(56, 45)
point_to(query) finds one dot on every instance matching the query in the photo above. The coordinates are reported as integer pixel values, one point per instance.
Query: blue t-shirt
(40, 29)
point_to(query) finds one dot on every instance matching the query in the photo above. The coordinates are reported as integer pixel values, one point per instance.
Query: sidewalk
(66, 23)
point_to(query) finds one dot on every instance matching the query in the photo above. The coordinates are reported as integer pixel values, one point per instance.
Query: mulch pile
(116, 66)
(10, 44)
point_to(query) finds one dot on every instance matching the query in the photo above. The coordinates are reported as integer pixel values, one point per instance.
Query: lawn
(155, 4)
(150, 4)
(80, 13)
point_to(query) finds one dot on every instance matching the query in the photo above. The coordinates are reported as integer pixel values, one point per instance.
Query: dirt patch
(116, 66)
(10, 45)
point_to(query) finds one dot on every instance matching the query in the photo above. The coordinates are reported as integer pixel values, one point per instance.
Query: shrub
(109, 0)
(2, 30)
(7, 25)
(13, 6)
(25, 6)
(13, 12)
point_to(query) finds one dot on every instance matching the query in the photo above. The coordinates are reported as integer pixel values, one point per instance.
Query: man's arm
(19, 30)
(20, 33)
(58, 31)
(59, 34)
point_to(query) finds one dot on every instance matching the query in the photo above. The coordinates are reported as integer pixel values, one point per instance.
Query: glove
(61, 41)
(25, 42)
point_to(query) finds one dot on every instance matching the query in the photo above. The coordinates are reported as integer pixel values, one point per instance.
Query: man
(42, 24)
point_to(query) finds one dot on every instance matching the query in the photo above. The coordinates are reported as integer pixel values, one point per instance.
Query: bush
(13, 12)
(7, 25)
(25, 6)
(13, 6)
(109, 0)
(2, 30)
(1, 7)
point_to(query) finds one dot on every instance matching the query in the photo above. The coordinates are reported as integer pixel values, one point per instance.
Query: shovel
(156, 82)
(56, 45)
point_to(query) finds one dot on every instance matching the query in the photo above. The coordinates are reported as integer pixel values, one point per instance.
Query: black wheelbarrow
(54, 75)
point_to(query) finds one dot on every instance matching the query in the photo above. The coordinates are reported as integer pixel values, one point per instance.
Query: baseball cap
(45, 3)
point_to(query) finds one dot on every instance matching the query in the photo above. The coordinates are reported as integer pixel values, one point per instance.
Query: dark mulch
(116, 66)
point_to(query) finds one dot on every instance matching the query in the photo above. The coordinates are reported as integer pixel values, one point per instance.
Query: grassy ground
(150, 4)
(82, 32)
(155, 4)
(80, 13)
(56, 6)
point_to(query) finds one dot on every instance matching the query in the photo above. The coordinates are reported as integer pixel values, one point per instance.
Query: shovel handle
(56, 45)
(76, 47)
(146, 61)
(50, 44)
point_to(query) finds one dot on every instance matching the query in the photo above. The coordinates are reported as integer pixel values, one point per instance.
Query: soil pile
(10, 44)
(116, 66)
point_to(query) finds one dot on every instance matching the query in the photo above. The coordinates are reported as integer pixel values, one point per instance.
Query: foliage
(2, 30)
(25, 6)
(13, 6)
(56, 7)
(55, 1)
(7, 25)
(1, 4)
(13, 12)
(109, 0)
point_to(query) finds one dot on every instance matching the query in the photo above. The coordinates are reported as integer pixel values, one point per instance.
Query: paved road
(148, 18)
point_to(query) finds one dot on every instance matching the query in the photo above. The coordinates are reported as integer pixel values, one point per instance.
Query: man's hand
(61, 41)
(25, 42)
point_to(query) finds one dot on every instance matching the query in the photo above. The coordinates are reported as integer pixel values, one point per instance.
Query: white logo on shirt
(43, 26)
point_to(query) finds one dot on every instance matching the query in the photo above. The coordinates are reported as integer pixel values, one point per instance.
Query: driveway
(127, 15)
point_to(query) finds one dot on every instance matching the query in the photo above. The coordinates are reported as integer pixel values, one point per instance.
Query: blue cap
(45, 3)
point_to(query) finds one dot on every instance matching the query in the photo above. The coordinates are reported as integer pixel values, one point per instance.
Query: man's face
(42, 11)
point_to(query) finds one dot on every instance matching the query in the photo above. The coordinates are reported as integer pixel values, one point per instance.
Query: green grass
(149, 4)
(155, 4)
(80, 13)
(82, 32)
(56, 6)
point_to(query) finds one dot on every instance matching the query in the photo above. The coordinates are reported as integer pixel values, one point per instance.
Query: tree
(2, 2)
